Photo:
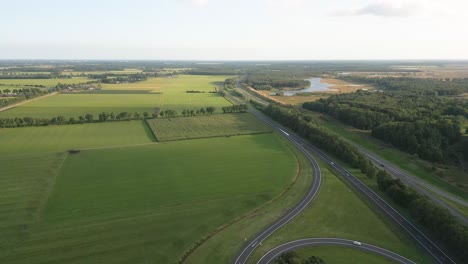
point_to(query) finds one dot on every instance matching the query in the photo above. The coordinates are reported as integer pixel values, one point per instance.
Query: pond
(315, 86)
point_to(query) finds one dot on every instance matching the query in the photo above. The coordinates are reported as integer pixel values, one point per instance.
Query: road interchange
(438, 255)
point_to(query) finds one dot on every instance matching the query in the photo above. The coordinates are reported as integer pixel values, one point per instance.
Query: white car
(357, 243)
(332, 163)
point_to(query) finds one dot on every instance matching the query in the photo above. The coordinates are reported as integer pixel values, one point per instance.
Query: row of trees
(111, 117)
(321, 137)
(202, 111)
(242, 108)
(437, 220)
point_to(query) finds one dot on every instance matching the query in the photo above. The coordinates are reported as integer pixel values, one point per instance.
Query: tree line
(202, 111)
(113, 117)
(437, 220)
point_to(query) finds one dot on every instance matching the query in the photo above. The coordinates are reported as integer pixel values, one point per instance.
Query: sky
(234, 29)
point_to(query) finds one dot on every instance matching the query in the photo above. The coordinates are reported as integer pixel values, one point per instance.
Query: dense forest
(426, 86)
(411, 120)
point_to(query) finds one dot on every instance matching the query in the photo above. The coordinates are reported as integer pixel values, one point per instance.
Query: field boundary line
(148, 126)
(8, 107)
(120, 146)
(218, 230)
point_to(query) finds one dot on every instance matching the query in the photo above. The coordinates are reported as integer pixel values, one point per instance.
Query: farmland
(206, 126)
(134, 205)
(129, 97)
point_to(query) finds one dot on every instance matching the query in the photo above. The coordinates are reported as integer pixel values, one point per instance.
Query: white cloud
(200, 2)
(384, 8)
(407, 8)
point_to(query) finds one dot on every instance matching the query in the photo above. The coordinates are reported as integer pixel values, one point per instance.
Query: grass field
(206, 126)
(132, 204)
(334, 214)
(45, 82)
(62, 138)
(342, 255)
(129, 97)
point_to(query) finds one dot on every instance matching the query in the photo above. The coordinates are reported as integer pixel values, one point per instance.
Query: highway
(418, 184)
(425, 242)
(310, 242)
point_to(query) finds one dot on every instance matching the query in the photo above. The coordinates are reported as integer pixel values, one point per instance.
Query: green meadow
(147, 203)
(206, 126)
(15, 141)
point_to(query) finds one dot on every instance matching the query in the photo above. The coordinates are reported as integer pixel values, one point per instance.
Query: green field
(45, 82)
(206, 126)
(129, 97)
(132, 204)
(342, 255)
(62, 138)
(177, 85)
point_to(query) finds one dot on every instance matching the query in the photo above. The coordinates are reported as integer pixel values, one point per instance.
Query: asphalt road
(310, 242)
(425, 242)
